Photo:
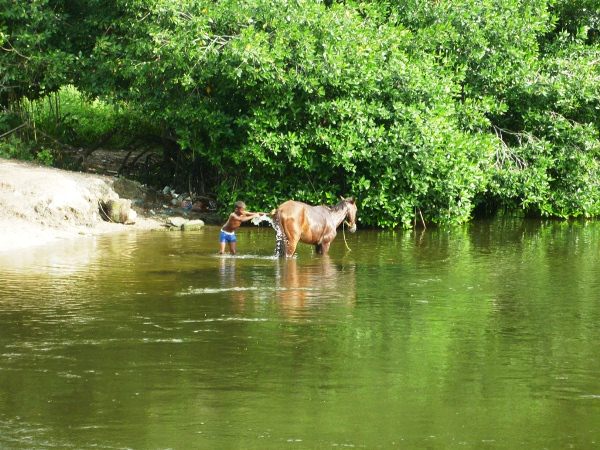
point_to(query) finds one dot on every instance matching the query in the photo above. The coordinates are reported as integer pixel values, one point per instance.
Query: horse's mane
(339, 206)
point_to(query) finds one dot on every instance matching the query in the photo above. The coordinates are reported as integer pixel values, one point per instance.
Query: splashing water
(279, 239)
(279, 235)
(262, 218)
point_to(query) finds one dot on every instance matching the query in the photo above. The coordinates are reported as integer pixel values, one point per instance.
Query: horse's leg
(292, 236)
(319, 249)
(291, 248)
(325, 248)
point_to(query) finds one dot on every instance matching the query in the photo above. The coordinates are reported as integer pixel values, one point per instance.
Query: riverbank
(40, 205)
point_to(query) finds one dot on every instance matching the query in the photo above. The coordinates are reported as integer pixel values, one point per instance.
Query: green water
(486, 336)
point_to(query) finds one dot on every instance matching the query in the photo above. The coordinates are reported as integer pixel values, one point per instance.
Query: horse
(315, 225)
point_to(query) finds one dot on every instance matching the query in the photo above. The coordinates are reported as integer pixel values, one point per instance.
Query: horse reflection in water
(302, 287)
(317, 225)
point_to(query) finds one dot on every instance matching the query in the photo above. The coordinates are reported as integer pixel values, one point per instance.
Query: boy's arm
(252, 215)
(245, 216)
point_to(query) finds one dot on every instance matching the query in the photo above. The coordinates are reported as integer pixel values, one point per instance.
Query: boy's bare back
(233, 222)
(238, 216)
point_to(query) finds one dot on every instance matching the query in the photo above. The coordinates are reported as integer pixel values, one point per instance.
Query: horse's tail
(280, 240)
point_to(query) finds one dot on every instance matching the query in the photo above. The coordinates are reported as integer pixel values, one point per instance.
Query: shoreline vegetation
(429, 113)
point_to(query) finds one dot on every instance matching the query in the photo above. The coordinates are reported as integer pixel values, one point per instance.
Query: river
(483, 336)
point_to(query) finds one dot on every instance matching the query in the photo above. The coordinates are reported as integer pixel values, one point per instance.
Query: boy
(236, 218)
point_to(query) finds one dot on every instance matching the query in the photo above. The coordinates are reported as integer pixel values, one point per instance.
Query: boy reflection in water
(227, 235)
(230, 281)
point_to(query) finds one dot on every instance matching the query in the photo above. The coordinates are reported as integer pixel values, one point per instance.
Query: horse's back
(291, 206)
(291, 209)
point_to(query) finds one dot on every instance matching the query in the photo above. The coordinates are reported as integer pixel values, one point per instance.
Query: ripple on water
(226, 319)
(200, 291)
(248, 256)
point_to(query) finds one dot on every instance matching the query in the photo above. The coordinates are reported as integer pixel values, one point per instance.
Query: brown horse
(314, 225)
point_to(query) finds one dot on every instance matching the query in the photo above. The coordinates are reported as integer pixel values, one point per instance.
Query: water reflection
(303, 286)
(232, 283)
(296, 287)
(444, 338)
(60, 259)
(227, 271)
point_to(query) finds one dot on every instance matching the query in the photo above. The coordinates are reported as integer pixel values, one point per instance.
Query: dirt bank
(39, 205)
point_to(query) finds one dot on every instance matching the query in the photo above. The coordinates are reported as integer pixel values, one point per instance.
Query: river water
(485, 336)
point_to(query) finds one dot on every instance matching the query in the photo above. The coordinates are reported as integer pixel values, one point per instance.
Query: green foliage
(578, 18)
(45, 157)
(15, 148)
(556, 110)
(32, 54)
(434, 108)
(287, 100)
(493, 43)
(79, 121)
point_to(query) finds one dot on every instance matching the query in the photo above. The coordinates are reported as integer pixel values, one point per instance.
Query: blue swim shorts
(227, 236)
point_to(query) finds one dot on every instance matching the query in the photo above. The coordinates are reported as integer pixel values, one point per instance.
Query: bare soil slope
(39, 205)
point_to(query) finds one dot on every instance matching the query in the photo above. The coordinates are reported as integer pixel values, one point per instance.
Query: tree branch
(14, 129)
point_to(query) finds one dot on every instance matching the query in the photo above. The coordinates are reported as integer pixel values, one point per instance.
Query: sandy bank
(39, 205)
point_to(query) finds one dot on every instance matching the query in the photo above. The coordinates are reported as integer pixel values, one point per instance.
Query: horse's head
(350, 213)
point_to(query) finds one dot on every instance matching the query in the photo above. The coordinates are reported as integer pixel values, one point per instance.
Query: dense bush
(417, 108)
(15, 148)
(80, 121)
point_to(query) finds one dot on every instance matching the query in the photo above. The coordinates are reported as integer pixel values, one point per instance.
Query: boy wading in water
(234, 221)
